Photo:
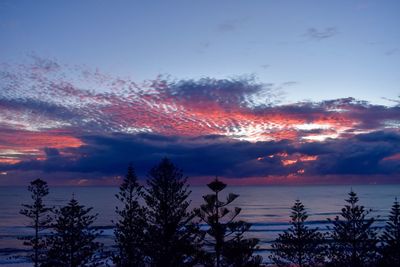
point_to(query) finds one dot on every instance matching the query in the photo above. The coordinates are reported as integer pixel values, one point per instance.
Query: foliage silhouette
(354, 240)
(391, 238)
(299, 245)
(131, 224)
(38, 214)
(230, 248)
(165, 233)
(72, 243)
(173, 240)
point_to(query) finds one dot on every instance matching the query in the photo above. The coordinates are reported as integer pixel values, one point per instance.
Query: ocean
(266, 207)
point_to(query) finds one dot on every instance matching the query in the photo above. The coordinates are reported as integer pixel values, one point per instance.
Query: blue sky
(313, 50)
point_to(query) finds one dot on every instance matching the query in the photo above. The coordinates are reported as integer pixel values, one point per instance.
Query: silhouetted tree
(38, 214)
(230, 248)
(72, 242)
(354, 241)
(173, 240)
(239, 251)
(131, 224)
(299, 245)
(391, 238)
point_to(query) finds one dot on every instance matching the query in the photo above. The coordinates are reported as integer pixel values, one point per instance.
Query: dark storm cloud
(362, 154)
(365, 154)
(51, 152)
(208, 155)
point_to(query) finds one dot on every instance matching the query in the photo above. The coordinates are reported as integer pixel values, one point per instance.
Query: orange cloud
(9, 160)
(16, 145)
(286, 162)
(291, 159)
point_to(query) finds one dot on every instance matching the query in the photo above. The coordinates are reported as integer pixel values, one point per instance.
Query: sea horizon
(267, 208)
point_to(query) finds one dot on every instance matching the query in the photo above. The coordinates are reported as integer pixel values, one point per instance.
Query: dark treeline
(154, 227)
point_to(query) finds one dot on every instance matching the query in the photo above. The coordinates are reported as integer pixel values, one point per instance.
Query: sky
(256, 92)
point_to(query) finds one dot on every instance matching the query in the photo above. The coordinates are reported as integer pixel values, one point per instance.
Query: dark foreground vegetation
(154, 227)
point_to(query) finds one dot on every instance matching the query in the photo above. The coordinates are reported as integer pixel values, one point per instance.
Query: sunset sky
(256, 92)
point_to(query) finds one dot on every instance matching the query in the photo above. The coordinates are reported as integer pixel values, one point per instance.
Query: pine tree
(131, 224)
(38, 214)
(173, 240)
(391, 238)
(72, 243)
(226, 235)
(354, 241)
(299, 245)
(239, 251)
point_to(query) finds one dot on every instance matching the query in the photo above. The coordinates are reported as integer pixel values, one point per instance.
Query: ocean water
(266, 207)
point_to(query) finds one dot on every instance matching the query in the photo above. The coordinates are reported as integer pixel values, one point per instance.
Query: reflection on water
(267, 207)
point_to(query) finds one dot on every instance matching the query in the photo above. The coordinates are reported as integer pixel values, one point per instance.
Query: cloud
(54, 121)
(363, 154)
(225, 92)
(397, 101)
(47, 95)
(204, 156)
(231, 25)
(38, 107)
(203, 47)
(198, 156)
(320, 34)
(392, 51)
(22, 145)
